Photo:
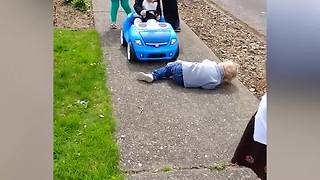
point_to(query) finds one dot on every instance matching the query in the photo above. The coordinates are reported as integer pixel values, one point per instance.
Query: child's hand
(158, 18)
(143, 13)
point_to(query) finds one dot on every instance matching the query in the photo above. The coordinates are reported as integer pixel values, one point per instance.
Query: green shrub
(82, 5)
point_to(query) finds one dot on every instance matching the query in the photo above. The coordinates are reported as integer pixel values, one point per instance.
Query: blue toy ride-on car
(151, 40)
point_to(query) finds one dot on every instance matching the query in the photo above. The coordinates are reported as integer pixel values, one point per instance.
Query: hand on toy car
(158, 18)
(143, 13)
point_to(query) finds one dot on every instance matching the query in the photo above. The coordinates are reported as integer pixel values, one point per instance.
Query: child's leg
(164, 72)
(177, 74)
(125, 5)
(173, 69)
(114, 10)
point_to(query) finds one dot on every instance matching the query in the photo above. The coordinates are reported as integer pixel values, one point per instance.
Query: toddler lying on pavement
(207, 74)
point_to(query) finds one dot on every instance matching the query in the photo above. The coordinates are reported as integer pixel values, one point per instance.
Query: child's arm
(138, 6)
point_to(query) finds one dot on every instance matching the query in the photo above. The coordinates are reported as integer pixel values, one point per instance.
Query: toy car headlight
(138, 42)
(173, 41)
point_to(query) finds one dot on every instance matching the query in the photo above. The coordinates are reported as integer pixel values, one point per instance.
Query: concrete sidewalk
(163, 124)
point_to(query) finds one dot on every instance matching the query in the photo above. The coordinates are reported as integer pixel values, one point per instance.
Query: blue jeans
(171, 70)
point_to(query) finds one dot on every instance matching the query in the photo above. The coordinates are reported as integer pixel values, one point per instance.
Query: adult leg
(125, 5)
(171, 14)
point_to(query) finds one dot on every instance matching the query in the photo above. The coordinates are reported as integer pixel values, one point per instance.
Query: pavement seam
(200, 167)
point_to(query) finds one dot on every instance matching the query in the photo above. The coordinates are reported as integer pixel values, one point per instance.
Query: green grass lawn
(84, 147)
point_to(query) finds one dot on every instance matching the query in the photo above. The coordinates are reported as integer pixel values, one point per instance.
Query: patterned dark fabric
(250, 153)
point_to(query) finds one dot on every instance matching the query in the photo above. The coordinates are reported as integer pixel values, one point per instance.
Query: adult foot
(177, 29)
(145, 77)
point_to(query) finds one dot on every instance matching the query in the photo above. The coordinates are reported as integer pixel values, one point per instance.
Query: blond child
(206, 74)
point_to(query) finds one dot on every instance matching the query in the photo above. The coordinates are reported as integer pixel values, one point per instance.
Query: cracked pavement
(162, 124)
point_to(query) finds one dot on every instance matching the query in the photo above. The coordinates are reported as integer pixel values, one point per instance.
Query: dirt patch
(229, 39)
(65, 16)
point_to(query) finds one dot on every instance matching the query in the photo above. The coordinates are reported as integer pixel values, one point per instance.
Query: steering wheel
(151, 14)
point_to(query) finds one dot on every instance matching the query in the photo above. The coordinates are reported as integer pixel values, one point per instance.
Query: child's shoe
(113, 26)
(145, 77)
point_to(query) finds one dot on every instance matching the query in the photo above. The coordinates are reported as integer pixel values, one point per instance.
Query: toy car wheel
(130, 53)
(122, 40)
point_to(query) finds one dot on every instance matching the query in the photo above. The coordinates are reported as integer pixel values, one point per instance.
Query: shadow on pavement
(225, 88)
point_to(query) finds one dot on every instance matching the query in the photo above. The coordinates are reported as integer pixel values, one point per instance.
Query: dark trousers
(250, 153)
(170, 10)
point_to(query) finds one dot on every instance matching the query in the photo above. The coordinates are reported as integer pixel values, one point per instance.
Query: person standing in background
(171, 14)
(114, 11)
(252, 149)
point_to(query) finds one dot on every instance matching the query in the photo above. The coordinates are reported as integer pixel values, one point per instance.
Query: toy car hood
(154, 32)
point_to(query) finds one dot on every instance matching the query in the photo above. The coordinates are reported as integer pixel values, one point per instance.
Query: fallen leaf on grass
(83, 103)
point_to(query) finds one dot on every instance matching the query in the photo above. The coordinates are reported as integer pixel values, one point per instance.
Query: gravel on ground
(65, 16)
(229, 39)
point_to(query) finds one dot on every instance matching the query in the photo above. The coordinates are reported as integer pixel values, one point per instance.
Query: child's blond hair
(230, 70)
